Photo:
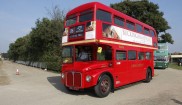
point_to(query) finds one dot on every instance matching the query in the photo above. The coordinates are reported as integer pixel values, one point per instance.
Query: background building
(174, 57)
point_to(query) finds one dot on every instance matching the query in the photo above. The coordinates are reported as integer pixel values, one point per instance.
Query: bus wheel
(103, 88)
(148, 76)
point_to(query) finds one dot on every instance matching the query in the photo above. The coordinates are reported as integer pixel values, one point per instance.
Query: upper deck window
(146, 31)
(162, 46)
(85, 16)
(103, 15)
(118, 21)
(70, 20)
(139, 28)
(152, 33)
(130, 25)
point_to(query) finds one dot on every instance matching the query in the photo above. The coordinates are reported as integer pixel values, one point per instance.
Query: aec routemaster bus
(104, 49)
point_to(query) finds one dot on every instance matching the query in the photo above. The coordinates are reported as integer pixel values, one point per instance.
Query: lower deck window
(105, 54)
(120, 55)
(141, 56)
(148, 55)
(131, 55)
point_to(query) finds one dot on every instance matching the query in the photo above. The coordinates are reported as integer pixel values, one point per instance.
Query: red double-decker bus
(104, 49)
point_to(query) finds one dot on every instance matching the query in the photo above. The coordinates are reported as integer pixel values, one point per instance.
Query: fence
(41, 65)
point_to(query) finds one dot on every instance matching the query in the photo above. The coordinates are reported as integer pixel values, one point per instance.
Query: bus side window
(100, 56)
(131, 55)
(103, 15)
(120, 55)
(130, 25)
(148, 55)
(105, 54)
(108, 53)
(119, 21)
(139, 28)
(141, 56)
(146, 31)
(152, 33)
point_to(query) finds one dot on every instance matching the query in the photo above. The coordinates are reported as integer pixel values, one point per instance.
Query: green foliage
(17, 50)
(1, 62)
(42, 44)
(175, 66)
(166, 38)
(146, 12)
(52, 60)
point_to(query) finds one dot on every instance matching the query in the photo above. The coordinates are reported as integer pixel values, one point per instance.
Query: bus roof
(97, 5)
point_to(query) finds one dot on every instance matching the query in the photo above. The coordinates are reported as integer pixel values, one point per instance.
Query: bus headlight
(62, 75)
(88, 78)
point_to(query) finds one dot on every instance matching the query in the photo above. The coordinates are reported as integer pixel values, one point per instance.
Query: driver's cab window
(105, 53)
(83, 53)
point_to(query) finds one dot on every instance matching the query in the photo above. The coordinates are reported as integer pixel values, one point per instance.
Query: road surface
(38, 87)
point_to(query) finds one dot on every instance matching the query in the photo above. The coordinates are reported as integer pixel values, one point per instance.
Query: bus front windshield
(70, 21)
(67, 56)
(84, 53)
(160, 58)
(93, 53)
(84, 16)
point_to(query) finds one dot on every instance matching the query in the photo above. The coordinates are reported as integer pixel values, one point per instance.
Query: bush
(55, 66)
(1, 61)
(52, 60)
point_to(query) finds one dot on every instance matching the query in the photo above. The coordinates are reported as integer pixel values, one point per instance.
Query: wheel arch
(149, 67)
(111, 77)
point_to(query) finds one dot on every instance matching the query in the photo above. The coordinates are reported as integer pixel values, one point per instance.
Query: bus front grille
(73, 79)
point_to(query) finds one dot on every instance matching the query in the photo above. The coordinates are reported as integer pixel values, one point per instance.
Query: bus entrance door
(121, 69)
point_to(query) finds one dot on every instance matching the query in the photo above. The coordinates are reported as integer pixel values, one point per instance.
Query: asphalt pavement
(39, 87)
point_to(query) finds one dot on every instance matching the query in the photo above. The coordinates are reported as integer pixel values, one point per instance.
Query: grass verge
(175, 66)
(1, 61)
(4, 80)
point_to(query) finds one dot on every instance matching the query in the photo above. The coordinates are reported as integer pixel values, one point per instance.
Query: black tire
(148, 76)
(103, 88)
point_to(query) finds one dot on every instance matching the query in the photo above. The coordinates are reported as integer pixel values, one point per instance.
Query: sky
(18, 17)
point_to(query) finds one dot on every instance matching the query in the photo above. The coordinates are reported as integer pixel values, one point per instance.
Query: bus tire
(148, 76)
(103, 88)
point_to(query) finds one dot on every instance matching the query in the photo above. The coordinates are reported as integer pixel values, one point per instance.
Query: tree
(12, 53)
(166, 38)
(148, 13)
(42, 44)
(17, 50)
(45, 41)
(56, 13)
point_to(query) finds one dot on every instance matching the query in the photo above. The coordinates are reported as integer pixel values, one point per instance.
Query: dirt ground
(38, 87)
(4, 80)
